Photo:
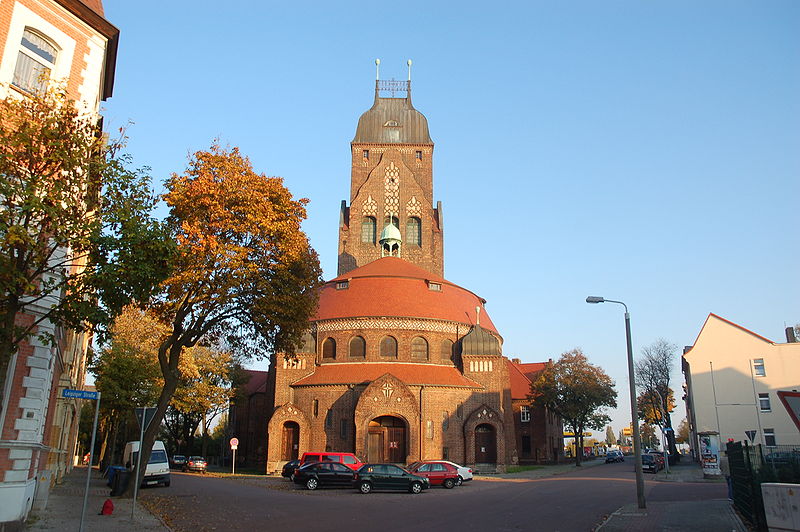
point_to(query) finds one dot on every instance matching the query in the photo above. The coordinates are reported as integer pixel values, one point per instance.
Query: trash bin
(111, 472)
(120, 482)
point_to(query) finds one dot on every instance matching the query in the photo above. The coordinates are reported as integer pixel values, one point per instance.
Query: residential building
(43, 42)
(734, 378)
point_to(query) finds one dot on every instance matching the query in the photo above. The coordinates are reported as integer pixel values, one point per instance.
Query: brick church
(399, 364)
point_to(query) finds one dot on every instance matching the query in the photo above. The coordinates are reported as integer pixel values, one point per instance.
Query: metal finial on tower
(377, 69)
(409, 69)
(478, 314)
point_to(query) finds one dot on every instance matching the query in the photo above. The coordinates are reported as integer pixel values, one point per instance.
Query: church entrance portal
(291, 441)
(386, 440)
(485, 444)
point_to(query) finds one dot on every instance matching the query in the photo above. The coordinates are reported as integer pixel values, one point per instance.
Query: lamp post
(637, 438)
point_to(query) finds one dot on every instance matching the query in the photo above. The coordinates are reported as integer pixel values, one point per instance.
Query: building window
(391, 220)
(758, 367)
(343, 429)
(329, 419)
(316, 407)
(366, 154)
(358, 347)
(429, 429)
(35, 60)
(525, 413)
(329, 348)
(389, 347)
(769, 437)
(418, 154)
(445, 453)
(435, 287)
(446, 351)
(526, 445)
(419, 348)
(763, 402)
(343, 285)
(368, 229)
(414, 231)
(445, 420)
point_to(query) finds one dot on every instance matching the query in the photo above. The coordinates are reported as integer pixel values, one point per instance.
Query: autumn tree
(682, 434)
(611, 439)
(126, 372)
(77, 241)
(244, 272)
(648, 435)
(653, 371)
(578, 392)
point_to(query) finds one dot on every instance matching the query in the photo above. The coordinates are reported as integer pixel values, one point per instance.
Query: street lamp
(637, 439)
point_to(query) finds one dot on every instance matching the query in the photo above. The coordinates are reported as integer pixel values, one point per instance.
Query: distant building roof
(392, 287)
(256, 383)
(364, 372)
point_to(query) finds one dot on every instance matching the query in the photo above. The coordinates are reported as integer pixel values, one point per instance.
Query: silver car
(464, 473)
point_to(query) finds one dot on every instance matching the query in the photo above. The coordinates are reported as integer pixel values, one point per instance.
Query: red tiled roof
(520, 384)
(392, 287)
(256, 382)
(360, 372)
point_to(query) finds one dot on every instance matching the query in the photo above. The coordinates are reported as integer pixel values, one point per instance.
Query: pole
(91, 460)
(138, 462)
(233, 463)
(637, 438)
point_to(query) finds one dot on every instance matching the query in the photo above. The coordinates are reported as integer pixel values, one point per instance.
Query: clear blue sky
(642, 151)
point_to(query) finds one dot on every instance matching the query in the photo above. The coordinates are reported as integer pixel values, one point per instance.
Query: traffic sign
(79, 394)
(751, 434)
(791, 401)
(234, 443)
(148, 412)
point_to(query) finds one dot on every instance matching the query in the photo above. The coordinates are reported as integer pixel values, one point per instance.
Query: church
(399, 364)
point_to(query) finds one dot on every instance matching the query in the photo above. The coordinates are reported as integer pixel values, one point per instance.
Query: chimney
(516, 361)
(790, 335)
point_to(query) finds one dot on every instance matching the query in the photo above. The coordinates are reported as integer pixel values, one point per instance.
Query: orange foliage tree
(244, 275)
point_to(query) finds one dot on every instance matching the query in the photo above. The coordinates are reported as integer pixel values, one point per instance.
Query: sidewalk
(685, 471)
(64, 505)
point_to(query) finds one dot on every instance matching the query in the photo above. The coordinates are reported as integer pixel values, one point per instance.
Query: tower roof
(392, 120)
(479, 342)
(391, 232)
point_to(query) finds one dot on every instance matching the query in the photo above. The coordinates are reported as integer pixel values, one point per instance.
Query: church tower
(391, 210)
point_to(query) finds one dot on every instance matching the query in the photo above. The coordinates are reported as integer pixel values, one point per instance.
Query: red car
(438, 473)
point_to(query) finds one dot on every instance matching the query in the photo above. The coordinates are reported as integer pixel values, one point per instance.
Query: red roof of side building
(392, 287)
(256, 383)
(520, 384)
(360, 372)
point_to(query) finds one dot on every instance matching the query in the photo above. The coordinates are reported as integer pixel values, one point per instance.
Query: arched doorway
(290, 445)
(386, 440)
(485, 444)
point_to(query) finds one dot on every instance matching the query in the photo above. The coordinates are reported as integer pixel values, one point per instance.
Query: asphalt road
(575, 501)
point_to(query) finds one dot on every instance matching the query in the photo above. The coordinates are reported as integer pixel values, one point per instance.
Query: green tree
(577, 391)
(244, 271)
(62, 247)
(611, 439)
(648, 435)
(653, 372)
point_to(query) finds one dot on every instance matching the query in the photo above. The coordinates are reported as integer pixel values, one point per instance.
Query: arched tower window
(419, 348)
(391, 220)
(368, 229)
(446, 352)
(389, 347)
(414, 231)
(358, 347)
(329, 348)
(35, 60)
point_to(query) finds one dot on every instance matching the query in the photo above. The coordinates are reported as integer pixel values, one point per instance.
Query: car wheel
(291, 477)
(365, 487)
(312, 483)
(460, 481)
(449, 483)
(166, 484)
(415, 487)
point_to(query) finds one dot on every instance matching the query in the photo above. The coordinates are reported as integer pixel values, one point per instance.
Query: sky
(647, 152)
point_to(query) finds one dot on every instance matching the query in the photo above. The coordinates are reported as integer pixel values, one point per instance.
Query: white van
(157, 471)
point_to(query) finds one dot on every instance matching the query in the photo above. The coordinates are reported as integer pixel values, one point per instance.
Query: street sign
(79, 394)
(791, 401)
(627, 431)
(148, 413)
(751, 434)
(234, 443)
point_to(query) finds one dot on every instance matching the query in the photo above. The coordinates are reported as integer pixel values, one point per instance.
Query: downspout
(421, 421)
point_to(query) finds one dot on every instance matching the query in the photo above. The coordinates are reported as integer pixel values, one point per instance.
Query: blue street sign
(80, 394)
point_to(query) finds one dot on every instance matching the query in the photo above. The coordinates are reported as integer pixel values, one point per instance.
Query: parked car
(651, 463)
(659, 456)
(438, 473)
(195, 463)
(464, 473)
(289, 467)
(348, 459)
(388, 477)
(614, 456)
(324, 475)
(178, 461)
(157, 468)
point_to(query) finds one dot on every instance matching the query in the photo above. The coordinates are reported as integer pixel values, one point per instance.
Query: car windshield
(196, 459)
